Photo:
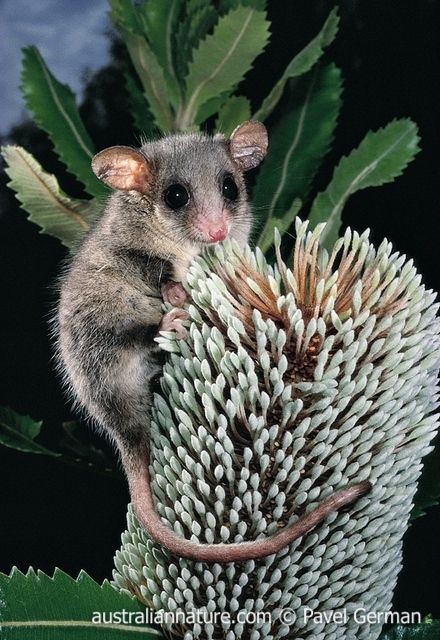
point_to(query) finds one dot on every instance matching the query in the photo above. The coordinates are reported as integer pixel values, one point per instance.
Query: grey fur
(110, 303)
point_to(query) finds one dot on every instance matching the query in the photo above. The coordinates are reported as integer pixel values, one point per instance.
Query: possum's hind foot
(174, 293)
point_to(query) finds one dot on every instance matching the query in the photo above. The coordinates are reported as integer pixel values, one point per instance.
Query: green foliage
(37, 607)
(227, 5)
(222, 59)
(381, 156)
(300, 64)
(298, 143)
(429, 630)
(19, 432)
(428, 492)
(123, 14)
(142, 118)
(160, 20)
(42, 198)
(132, 26)
(152, 77)
(189, 58)
(53, 107)
(197, 20)
(74, 442)
(73, 448)
(235, 110)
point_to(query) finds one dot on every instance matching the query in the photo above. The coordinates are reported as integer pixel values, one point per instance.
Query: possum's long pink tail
(144, 508)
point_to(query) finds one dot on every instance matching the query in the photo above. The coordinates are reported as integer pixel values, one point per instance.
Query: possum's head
(192, 184)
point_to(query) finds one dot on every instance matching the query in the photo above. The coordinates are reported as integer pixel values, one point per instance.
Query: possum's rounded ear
(123, 168)
(248, 145)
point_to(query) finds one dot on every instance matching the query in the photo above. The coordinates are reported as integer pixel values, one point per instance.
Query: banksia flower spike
(294, 381)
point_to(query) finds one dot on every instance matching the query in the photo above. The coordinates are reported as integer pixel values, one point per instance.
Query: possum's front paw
(173, 321)
(174, 293)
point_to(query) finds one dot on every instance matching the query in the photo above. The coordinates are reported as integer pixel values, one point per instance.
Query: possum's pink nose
(217, 235)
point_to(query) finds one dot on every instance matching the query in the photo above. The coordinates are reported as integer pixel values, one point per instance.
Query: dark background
(53, 514)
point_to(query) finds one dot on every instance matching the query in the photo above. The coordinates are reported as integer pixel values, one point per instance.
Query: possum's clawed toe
(173, 321)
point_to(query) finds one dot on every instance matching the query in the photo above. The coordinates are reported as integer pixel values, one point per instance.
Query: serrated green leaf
(73, 441)
(131, 24)
(19, 432)
(234, 111)
(427, 631)
(53, 107)
(198, 20)
(212, 106)
(301, 63)
(123, 14)
(381, 156)
(41, 197)
(228, 5)
(152, 78)
(282, 224)
(142, 118)
(160, 19)
(37, 607)
(222, 59)
(298, 144)
(428, 491)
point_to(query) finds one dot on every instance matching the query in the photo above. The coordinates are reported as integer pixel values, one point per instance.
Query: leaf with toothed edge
(142, 118)
(152, 78)
(131, 24)
(19, 432)
(298, 144)
(34, 606)
(213, 106)
(301, 63)
(223, 58)
(198, 20)
(160, 20)
(235, 110)
(280, 224)
(380, 158)
(428, 492)
(42, 198)
(428, 630)
(228, 5)
(53, 107)
(123, 13)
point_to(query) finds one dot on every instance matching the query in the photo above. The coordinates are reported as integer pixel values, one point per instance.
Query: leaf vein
(292, 148)
(77, 136)
(78, 623)
(76, 216)
(357, 179)
(219, 67)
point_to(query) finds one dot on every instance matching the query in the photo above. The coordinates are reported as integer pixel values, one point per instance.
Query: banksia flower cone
(295, 381)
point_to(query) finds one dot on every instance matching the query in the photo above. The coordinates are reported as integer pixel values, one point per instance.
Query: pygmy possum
(172, 198)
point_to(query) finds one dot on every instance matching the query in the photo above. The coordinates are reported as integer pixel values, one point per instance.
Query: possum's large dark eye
(176, 196)
(229, 188)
